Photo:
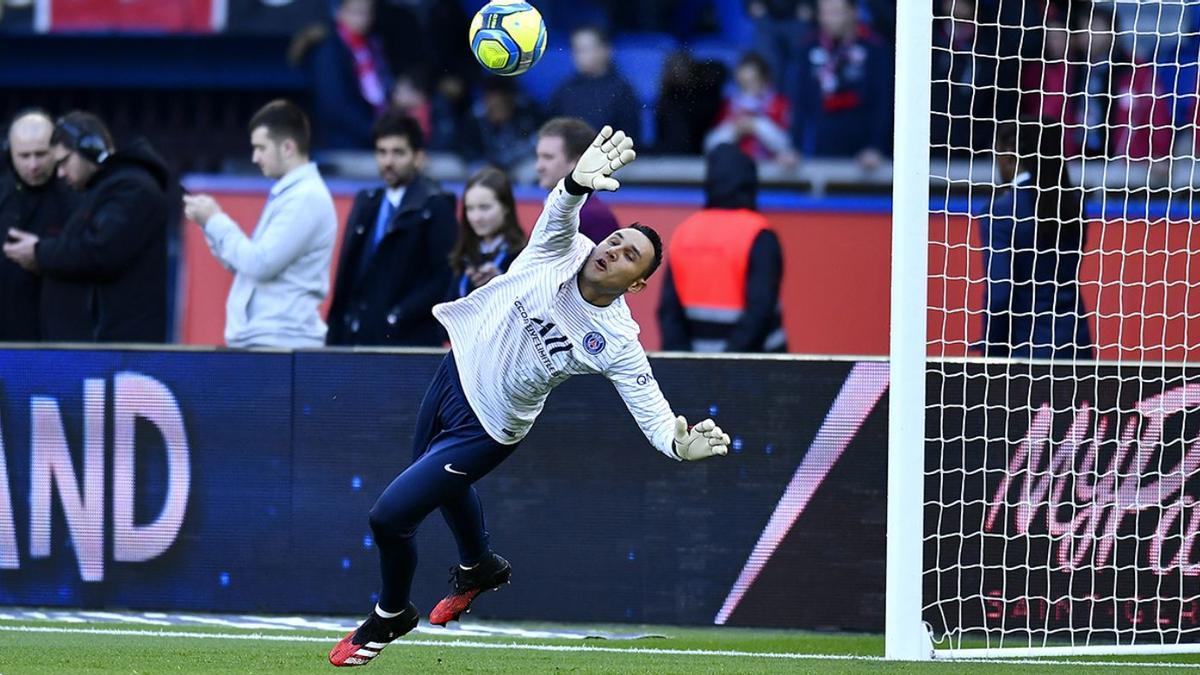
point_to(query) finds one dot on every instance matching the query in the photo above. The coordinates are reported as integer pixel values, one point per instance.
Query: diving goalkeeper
(557, 312)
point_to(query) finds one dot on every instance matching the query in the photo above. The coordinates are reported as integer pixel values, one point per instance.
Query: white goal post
(906, 636)
(1044, 410)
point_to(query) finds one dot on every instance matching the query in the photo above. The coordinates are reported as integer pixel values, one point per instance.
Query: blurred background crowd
(783, 78)
(803, 89)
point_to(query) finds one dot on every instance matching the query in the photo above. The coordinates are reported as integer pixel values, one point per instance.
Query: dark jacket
(113, 252)
(342, 118)
(688, 107)
(970, 84)
(502, 145)
(608, 99)
(1033, 306)
(387, 300)
(731, 189)
(43, 211)
(844, 103)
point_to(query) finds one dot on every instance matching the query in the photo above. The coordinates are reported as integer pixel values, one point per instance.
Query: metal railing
(821, 176)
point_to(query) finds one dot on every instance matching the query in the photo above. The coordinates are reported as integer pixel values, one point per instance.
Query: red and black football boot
(364, 644)
(466, 585)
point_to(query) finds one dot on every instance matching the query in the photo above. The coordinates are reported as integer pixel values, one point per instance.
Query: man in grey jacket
(282, 270)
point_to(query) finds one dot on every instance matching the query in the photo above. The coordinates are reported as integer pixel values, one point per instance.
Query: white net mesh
(1061, 486)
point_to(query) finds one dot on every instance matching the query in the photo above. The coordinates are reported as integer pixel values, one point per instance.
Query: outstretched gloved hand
(705, 439)
(607, 153)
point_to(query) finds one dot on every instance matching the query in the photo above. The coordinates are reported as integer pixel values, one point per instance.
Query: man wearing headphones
(113, 248)
(32, 200)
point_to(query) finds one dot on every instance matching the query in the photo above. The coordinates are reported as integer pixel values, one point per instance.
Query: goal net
(1059, 370)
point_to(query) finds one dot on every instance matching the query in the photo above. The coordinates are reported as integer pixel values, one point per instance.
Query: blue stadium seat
(1181, 80)
(649, 127)
(736, 27)
(714, 50)
(541, 80)
(643, 67)
(661, 41)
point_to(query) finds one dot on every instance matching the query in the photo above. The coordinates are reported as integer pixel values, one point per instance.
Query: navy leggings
(451, 451)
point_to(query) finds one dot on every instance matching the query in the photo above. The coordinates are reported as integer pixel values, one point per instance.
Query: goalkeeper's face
(619, 263)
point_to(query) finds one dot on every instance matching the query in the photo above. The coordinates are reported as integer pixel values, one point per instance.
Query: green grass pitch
(54, 647)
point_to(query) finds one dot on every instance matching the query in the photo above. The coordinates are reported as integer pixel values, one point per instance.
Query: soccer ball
(507, 36)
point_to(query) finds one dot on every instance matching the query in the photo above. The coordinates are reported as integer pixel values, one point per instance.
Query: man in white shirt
(281, 272)
(557, 312)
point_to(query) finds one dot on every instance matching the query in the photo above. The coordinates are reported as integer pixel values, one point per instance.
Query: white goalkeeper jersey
(529, 329)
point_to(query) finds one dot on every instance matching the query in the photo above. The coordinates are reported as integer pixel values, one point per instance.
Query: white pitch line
(113, 616)
(438, 643)
(467, 644)
(225, 623)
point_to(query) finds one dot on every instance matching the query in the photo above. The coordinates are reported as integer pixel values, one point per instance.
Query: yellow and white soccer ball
(507, 36)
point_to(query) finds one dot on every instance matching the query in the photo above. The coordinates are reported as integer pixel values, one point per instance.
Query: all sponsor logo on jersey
(547, 339)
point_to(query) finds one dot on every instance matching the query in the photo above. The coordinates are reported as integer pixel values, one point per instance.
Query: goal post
(1044, 411)
(905, 634)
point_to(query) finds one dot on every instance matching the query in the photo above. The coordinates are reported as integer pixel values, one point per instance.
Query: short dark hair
(756, 61)
(283, 120)
(399, 123)
(576, 134)
(655, 241)
(499, 85)
(84, 133)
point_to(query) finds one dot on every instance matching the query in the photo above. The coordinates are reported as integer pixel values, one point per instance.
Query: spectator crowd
(1119, 78)
(807, 78)
(85, 256)
(86, 221)
(800, 86)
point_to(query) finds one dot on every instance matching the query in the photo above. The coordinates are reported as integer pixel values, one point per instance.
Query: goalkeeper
(557, 312)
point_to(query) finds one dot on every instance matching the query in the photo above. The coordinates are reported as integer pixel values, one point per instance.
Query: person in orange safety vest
(724, 268)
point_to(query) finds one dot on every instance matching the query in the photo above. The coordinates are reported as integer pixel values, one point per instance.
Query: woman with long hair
(489, 235)
(1033, 241)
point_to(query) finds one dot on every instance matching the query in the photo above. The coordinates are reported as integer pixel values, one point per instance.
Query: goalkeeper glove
(607, 153)
(705, 439)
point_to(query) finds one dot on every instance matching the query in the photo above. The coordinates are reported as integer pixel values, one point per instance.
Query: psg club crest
(593, 342)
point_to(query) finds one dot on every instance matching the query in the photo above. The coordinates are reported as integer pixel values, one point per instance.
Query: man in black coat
(113, 250)
(31, 200)
(394, 265)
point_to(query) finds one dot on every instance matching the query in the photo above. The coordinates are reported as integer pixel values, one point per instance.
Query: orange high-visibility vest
(710, 253)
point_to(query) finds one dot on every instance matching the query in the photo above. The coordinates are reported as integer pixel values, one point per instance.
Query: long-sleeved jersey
(528, 330)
